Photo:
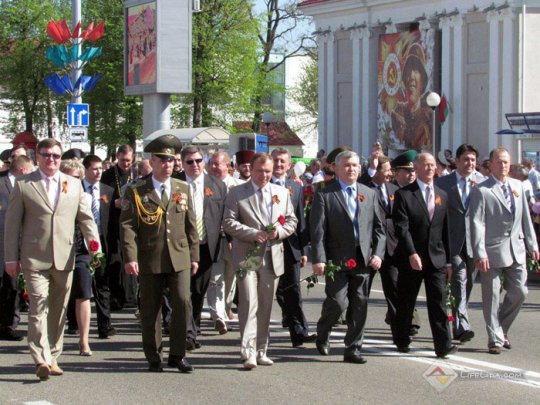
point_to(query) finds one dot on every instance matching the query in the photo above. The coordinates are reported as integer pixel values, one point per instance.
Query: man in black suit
(122, 286)
(288, 293)
(347, 227)
(208, 196)
(9, 296)
(381, 183)
(458, 185)
(101, 198)
(423, 253)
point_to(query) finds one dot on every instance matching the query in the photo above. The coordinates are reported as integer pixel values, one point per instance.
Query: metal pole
(77, 72)
(433, 134)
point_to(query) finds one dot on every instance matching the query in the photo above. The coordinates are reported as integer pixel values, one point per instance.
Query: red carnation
(26, 296)
(281, 220)
(450, 318)
(350, 264)
(94, 246)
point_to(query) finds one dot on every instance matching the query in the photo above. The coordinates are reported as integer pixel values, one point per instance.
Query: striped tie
(95, 205)
(199, 212)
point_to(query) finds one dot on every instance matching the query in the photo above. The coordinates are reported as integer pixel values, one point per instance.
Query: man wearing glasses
(208, 196)
(40, 225)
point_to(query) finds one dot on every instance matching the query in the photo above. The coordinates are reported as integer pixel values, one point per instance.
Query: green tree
(23, 41)
(224, 62)
(306, 94)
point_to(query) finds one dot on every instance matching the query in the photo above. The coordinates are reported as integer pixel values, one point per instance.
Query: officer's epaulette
(136, 183)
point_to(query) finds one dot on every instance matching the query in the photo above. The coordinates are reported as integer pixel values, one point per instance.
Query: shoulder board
(136, 183)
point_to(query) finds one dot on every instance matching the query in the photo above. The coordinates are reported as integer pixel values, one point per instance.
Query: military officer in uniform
(161, 245)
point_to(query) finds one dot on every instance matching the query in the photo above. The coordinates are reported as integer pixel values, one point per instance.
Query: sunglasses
(191, 161)
(54, 156)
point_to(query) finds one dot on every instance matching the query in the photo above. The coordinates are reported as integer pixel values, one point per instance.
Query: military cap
(331, 158)
(405, 160)
(244, 156)
(164, 146)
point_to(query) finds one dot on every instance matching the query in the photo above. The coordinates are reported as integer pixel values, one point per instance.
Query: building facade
(480, 55)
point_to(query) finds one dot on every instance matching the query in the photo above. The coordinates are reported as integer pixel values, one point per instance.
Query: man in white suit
(501, 234)
(249, 209)
(39, 239)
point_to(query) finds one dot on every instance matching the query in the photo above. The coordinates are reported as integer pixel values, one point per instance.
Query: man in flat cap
(243, 163)
(161, 245)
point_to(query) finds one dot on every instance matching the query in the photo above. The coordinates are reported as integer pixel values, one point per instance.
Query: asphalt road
(116, 373)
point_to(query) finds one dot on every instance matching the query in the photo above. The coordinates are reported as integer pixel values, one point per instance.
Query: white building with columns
(486, 61)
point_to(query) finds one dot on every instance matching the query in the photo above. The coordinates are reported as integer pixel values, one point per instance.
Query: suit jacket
(332, 229)
(215, 192)
(5, 191)
(46, 232)
(496, 233)
(300, 237)
(458, 215)
(242, 220)
(106, 204)
(415, 232)
(145, 240)
(391, 188)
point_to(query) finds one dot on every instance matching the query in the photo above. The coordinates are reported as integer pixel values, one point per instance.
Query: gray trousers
(499, 318)
(461, 286)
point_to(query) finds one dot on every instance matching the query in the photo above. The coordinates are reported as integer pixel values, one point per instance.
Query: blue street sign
(77, 115)
(261, 143)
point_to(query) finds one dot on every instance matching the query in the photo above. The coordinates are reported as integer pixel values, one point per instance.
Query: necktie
(382, 196)
(164, 198)
(199, 212)
(51, 190)
(262, 207)
(430, 201)
(465, 192)
(352, 208)
(95, 205)
(507, 197)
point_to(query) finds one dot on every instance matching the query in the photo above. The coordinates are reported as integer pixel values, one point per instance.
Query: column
(330, 92)
(357, 133)
(494, 111)
(446, 139)
(321, 40)
(457, 99)
(508, 82)
(365, 34)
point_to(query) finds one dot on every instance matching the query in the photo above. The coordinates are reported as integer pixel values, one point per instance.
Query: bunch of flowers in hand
(22, 287)
(450, 303)
(308, 196)
(252, 260)
(532, 265)
(98, 258)
(330, 271)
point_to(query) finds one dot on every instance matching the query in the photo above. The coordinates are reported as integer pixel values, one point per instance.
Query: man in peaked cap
(243, 163)
(160, 245)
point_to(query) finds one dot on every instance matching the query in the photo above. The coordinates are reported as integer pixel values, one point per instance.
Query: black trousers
(409, 282)
(199, 285)
(9, 302)
(289, 297)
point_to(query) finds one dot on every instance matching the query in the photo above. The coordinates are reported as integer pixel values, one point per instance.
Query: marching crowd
(169, 231)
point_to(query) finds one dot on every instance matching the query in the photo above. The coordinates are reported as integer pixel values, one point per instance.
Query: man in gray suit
(458, 186)
(249, 209)
(347, 227)
(501, 234)
(9, 294)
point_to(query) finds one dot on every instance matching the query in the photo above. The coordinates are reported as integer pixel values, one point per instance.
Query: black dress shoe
(155, 367)
(354, 358)
(307, 338)
(403, 349)
(451, 350)
(465, 336)
(192, 344)
(11, 335)
(414, 330)
(322, 347)
(181, 364)
(107, 333)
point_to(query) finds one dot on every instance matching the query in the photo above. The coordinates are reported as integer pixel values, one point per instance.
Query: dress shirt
(157, 187)
(54, 187)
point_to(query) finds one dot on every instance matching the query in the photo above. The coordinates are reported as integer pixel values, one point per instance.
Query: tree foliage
(224, 62)
(306, 93)
(23, 42)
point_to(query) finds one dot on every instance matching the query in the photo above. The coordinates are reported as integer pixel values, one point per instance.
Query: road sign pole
(77, 72)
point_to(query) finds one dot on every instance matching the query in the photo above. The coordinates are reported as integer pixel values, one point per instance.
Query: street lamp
(267, 119)
(433, 100)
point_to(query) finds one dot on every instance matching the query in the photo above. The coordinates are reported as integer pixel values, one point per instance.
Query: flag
(443, 110)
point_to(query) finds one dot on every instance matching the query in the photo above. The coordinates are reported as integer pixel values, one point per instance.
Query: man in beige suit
(40, 228)
(249, 209)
